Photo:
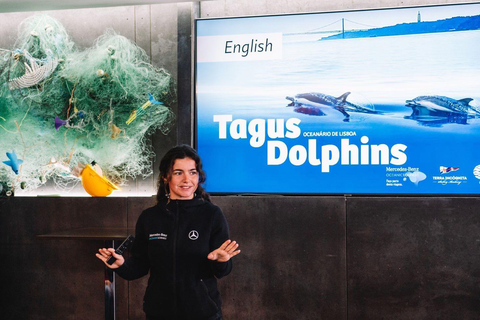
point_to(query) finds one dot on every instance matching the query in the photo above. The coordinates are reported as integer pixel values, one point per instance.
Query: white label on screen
(239, 47)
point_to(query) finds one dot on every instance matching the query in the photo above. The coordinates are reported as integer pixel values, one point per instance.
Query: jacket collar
(172, 204)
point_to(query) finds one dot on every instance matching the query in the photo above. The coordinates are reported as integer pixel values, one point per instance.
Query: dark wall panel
(292, 264)
(402, 258)
(54, 279)
(413, 258)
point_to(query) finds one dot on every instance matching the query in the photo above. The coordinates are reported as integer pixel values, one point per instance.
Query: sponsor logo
(193, 235)
(157, 236)
(476, 172)
(449, 179)
(444, 170)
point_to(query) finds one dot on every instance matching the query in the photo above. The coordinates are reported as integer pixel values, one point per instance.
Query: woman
(183, 241)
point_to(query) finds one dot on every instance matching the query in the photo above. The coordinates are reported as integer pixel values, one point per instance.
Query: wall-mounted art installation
(63, 110)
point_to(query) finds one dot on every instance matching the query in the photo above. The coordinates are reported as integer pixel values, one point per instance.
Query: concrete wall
(228, 8)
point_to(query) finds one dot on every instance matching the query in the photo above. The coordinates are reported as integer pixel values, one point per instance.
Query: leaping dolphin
(324, 100)
(443, 104)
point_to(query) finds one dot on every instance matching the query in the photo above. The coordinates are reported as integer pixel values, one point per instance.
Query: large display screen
(358, 102)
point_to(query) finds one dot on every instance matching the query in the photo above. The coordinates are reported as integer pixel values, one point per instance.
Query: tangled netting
(62, 108)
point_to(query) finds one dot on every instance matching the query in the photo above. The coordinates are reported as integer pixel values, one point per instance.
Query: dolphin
(443, 104)
(14, 162)
(317, 99)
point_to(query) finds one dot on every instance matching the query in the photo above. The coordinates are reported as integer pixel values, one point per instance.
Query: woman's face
(183, 179)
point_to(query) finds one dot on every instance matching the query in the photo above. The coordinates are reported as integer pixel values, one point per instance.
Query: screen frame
(326, 194)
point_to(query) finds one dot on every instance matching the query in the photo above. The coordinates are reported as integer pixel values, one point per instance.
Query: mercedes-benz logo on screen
(476, 172)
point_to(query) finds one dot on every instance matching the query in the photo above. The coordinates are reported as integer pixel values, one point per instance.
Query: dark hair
(166, 165)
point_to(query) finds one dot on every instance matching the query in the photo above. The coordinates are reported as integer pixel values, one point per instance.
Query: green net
(61, 108)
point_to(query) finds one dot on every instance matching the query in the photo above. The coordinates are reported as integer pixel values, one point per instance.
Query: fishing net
(61, 108)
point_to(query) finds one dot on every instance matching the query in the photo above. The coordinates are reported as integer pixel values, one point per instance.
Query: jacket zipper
(175, 233)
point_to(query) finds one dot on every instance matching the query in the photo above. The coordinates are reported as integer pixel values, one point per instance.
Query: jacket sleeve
(220, 234)
(138, 264)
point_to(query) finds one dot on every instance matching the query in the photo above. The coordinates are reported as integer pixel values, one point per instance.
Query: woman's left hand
(226, 251)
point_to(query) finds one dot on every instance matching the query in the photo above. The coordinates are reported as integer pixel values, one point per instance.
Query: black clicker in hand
(121, 248)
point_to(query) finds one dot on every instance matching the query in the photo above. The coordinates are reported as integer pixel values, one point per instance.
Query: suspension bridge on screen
(336, 27)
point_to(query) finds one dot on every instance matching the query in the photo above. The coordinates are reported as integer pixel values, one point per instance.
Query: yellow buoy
(95, 184)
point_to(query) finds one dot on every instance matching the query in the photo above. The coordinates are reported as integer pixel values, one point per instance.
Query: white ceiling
(36, 5)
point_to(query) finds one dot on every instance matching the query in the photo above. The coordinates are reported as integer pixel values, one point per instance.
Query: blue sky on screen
(324, 21)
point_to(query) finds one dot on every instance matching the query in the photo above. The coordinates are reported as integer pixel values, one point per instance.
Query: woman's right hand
(105, 254)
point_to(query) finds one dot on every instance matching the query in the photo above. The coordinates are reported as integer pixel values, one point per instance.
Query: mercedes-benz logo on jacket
(193, 235)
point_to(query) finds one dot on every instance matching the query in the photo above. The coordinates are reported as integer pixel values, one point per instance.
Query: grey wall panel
(164, 54)
(9, 23)
(413, 258)
(142, 28)
(163, 35)
(229, 8)
(186, 14)
(86, 25)
(292, 264)
(83, 25)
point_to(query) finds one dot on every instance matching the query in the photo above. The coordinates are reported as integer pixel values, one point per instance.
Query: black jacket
(172, 241)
